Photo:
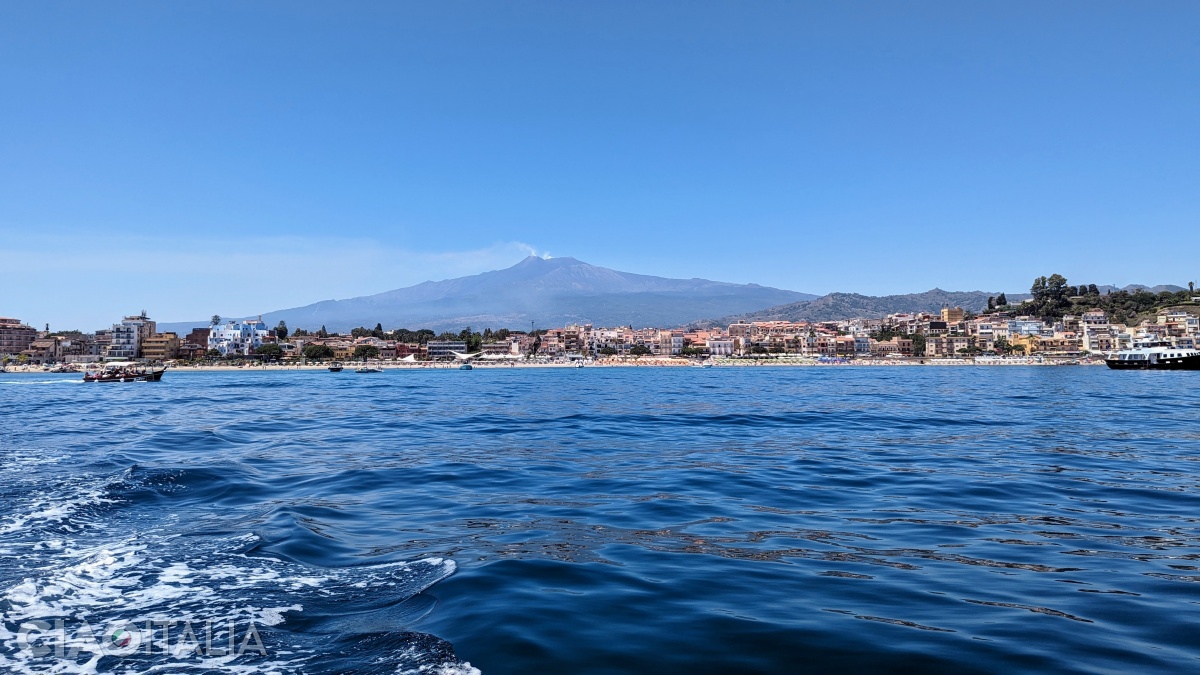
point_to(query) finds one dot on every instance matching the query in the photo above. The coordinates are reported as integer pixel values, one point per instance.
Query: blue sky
(221, 157)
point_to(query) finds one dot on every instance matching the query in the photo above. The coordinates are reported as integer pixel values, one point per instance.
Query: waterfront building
(404, 349)
(192, 350)
(670, 342)
(719, 346)
(944, 345)
(127, 336)
(15, 337)
(43, 350)
(862, 345)
(103, 341)
(502, 348)
(438, 350)
(238, 337)
(161, 347)
(198, 336)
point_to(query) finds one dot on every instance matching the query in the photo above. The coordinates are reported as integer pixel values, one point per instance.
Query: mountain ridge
(546, 292)
(842, 306)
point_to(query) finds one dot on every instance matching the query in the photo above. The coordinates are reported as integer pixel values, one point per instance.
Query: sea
(602, 520)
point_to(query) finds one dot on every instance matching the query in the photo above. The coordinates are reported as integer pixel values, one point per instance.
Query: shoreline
(614, 363)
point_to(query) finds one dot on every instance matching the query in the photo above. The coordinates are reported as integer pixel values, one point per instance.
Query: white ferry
(1155, 354)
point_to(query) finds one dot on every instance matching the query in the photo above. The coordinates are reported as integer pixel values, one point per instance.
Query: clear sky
(226, 157)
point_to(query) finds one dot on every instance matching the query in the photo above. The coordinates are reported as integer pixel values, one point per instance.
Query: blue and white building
(238, 337)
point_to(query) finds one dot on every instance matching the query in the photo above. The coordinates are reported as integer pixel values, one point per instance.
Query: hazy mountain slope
(549, 293)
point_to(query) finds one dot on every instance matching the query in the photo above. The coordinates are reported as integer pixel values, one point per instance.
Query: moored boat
(368, 369)
(1154, 354)
(335, 367)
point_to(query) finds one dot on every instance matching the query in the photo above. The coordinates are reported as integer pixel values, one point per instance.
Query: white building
(719, 346)
(128, 335)
(238, 337)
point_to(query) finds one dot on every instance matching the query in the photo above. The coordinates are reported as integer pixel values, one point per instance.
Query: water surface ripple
(614, 520)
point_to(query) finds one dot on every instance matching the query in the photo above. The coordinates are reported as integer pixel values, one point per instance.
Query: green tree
(1001, 346)
(640, 350)
(1001, 300)
(216, 319)
(269, 351)
(281, 330)
(318, 352)
(364, 352)
(918, 341)
(378, 331)
(608, 351)
(213, 353)
(322, 333)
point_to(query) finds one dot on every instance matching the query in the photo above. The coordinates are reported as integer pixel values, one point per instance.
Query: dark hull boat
(130, 376)
(1180, 363)
(1155, 355)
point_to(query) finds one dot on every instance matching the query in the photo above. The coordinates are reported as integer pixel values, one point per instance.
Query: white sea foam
(60, 508)
(141, 579)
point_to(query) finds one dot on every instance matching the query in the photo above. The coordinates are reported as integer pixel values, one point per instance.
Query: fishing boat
(335, 367)
(1154, 354)
(124, 371)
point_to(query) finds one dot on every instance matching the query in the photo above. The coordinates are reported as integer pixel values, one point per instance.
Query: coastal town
(998, 335)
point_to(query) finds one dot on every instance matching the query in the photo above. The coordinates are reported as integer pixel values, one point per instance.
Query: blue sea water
(756, 520)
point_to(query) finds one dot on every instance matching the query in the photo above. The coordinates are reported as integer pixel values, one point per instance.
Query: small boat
(124, 372)
(466, 366)
(335, 367)
(368, 369)
(1155, 354)
(579, 364)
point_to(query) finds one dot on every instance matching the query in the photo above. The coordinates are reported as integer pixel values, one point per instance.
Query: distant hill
(841, 306)
(550, 292)
(1138, 287)
(837, 306)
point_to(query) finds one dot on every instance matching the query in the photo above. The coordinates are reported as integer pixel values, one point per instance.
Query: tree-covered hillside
(1054, 297)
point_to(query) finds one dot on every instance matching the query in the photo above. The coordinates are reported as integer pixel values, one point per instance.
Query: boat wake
(158, 598)
(130, 606)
